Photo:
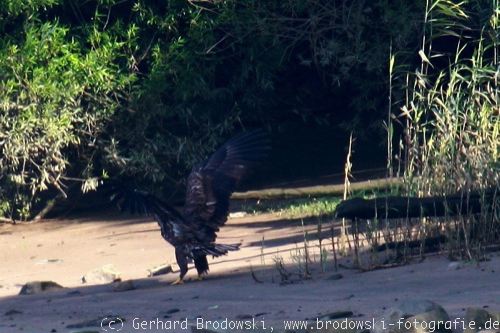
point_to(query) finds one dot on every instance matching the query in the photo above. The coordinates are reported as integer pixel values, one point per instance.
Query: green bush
(57, 95)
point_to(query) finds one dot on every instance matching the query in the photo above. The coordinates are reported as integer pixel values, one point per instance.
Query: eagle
(192, 231)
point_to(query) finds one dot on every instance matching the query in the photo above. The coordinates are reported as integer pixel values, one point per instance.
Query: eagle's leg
(201, 264)
(182, 261)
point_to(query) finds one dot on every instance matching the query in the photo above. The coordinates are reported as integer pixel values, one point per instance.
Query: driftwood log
(409, 207)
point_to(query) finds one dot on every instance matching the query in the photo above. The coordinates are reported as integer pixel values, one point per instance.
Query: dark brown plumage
(193, 230)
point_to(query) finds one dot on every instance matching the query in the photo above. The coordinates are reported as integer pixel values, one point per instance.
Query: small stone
(48, 261)
(414, 307)
(106, 320)
(419, 309)
(244, 316)
(12, 312)
(455, 265)
(160, 270)
(105, 274)
(433, 316)
(495, 315)
(36, 287)
(477, 316)
(336, 276)
(123, 286)
(336, 315)
(168, 313)
(87, 323)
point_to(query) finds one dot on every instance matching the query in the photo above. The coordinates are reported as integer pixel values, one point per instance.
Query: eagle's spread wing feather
(210, 184)
(172, 224)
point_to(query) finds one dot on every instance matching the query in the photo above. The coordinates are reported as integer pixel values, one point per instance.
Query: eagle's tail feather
(220, 249)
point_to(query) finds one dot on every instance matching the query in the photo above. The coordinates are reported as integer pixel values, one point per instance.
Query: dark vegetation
(139, 91)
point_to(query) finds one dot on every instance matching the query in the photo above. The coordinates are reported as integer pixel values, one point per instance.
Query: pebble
(36, 287)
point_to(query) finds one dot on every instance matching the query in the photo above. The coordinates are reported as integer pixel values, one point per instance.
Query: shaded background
(139, 91)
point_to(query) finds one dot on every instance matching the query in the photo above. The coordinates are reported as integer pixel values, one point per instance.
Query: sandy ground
(63, 251)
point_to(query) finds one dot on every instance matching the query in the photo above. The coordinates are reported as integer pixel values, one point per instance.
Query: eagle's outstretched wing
(171, 222)
(210, 184)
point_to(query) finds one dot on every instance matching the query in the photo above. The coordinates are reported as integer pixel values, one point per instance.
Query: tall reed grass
(450, 118)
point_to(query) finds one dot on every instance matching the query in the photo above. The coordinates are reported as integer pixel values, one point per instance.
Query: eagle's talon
(177, 282)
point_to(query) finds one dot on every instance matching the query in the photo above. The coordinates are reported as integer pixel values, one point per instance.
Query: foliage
(57, 94)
